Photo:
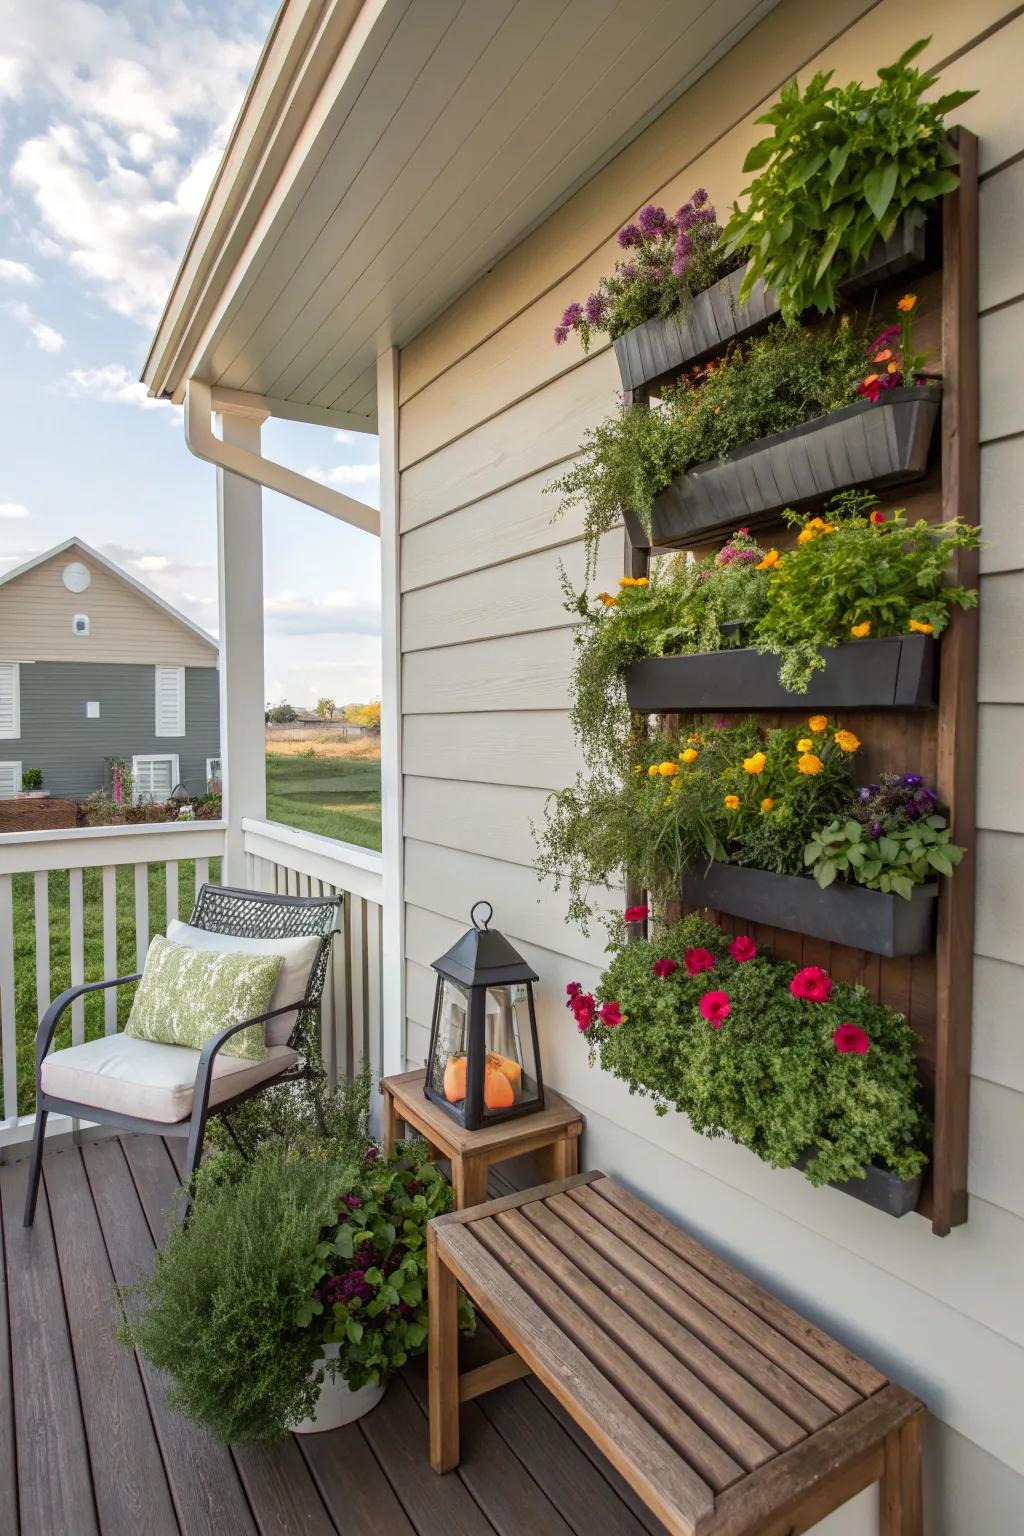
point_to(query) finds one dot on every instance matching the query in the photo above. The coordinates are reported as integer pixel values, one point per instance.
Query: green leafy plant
(838, 171)
(32, 778)
(780, 380)
(282, 1255)
(667, 261)
(784, 1061)
(859, 572)
(895, 838)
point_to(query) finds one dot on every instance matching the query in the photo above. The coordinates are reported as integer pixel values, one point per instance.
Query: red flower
(877, 516)
(743, 949)
(572, 992)
(610, 1014)
(584, 1019)
(715, 1008)
(636, 914)
(581, 1000)
(811, 985)
(663, 968)
(850, 1038)
(698, 960)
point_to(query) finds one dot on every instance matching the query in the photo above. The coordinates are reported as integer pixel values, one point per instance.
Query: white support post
(393, 936)
(242, 697)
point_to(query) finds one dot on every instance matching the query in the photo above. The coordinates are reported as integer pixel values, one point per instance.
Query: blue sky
(112, 118)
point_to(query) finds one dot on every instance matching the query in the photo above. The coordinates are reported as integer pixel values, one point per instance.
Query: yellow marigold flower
(858, 631)
(667, 770)
(804, 744)
(918, 628)
(652, 772)
(767, 804)
(633, 581)
(810, 763)
(607, 599)
(892, 368)
(689, 756)
(731, 802)
(846, 741)
(755, 764)
(640, 581)
(818, 723)
(906, 304)
(806, 535)
(771, 559)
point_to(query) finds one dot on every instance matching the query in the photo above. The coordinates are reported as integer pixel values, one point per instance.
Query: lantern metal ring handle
(487, 919)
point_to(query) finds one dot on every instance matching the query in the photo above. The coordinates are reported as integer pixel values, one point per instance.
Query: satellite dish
(76, 576)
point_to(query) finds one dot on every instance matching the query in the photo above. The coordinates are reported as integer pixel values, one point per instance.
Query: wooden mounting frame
(935, 991)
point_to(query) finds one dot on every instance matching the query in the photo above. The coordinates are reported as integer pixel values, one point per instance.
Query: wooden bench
(726, 1411)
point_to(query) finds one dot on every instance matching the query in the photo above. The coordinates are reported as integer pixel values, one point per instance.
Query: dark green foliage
(837, 172)
(771, 1076)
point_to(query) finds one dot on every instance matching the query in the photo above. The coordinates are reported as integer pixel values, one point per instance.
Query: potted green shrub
(297, 1287)
(32, 784)
(805, 1071)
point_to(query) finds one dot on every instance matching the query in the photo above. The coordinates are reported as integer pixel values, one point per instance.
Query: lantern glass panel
(510, 1070)
(447, 1066)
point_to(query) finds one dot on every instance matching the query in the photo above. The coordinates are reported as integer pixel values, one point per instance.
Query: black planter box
(901, 673)
(664, 345)
(843, 914)
(862, 445)
(879, 1187)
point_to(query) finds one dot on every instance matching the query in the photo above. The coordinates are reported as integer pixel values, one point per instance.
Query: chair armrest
(51, 1018)
(209, 1051)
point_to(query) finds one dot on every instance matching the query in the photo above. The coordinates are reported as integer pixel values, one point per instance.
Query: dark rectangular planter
(900, 673)
(842, 914)
(662, 346)
(861, 445)
(879, 1187)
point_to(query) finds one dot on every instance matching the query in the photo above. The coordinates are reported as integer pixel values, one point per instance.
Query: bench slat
(763, 1373)
(698, 1399)
(717, 1376)
(670, 1488)
(655, 1240)
(673, 1423)
(829, 1352)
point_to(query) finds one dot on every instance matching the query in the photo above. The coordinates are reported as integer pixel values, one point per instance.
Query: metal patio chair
(215, 1084)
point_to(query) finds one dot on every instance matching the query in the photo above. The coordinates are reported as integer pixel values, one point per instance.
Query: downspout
(204, 443)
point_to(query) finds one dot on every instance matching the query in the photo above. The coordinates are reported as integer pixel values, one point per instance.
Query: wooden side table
(554, 1131)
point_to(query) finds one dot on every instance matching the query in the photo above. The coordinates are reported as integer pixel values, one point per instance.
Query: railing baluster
(141, 915)
(76, 913)
(110, 946)
(8, 1032)
(375, 989)
(171, 882)
(202, 874)
(41, 884)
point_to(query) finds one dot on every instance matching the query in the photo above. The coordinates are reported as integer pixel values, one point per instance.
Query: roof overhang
(386, 155)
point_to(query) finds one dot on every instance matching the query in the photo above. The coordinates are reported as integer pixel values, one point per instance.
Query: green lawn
(335, 796)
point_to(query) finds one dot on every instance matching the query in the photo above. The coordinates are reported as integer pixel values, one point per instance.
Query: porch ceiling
(387, 155)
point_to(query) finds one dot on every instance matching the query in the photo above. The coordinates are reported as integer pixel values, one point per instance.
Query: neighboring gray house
(93, 666)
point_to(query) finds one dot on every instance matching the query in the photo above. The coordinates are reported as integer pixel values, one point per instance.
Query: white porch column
(393, 1000)
(240, 586)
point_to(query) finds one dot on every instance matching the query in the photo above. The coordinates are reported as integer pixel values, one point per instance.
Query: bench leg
(469, 1177)
(443, 1361)
(900, 1491)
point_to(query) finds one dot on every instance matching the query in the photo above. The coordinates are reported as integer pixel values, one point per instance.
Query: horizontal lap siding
(492, 411)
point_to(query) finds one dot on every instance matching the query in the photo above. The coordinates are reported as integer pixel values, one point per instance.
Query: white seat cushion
(148, 1080)
(297, 962)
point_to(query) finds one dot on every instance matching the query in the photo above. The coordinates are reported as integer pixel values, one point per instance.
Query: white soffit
(441, 133)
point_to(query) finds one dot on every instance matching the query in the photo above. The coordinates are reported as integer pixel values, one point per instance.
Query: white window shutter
(170, 701)
(10, 780)
(10, 700)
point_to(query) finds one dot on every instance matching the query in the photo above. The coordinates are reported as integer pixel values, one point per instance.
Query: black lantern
(484, 1062)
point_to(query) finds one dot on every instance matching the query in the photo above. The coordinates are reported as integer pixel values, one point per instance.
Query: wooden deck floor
(88, 1446)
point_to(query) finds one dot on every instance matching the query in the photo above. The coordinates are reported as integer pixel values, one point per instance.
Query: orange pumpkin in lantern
(455, 1079)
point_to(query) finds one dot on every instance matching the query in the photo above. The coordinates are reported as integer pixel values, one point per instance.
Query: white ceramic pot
(338, 1404)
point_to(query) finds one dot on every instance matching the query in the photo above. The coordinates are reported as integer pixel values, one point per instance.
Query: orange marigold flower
(917, 627)
(607, 599)
(652, 772)
(846, 741)
(689, 756)
(805, 744)
(810, 763)
(755, 763)
(767, 804)
(858, 631)
(818, 723)
(731, 802)
(667, 770)
(883, 356)
(906, 304)
(806, 535)
(771, 559)
(893, 368)
(872, 378)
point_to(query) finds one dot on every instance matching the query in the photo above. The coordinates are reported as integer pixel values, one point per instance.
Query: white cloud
(340, 613)
(348, 477)
(114, 384)
(12, 510)
(190, 586)
(16, 272)
(44, 336)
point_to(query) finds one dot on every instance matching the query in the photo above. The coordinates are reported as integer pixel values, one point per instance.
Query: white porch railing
(297, 863)
(82, 904)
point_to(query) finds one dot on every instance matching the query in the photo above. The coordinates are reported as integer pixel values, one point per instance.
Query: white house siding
(490, 410)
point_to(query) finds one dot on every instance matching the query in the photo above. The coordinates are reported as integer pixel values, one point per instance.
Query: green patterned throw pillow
(187, 995)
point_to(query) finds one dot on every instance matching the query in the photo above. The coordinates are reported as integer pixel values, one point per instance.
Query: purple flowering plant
(894, 837)
(666, 260)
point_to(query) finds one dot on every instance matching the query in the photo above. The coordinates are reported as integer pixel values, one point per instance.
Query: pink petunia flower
(584, 1019)
(743, 949)
(610, 1014)
(715, 1008)
(811, 985)
(698, 960)
(664, 968)
(572, 992)
(636, 914)
(850, 1038)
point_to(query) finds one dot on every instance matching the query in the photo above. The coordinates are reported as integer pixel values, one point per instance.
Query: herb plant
(781, 1060)
(667, 261)
(839, 169)
(894, 839)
